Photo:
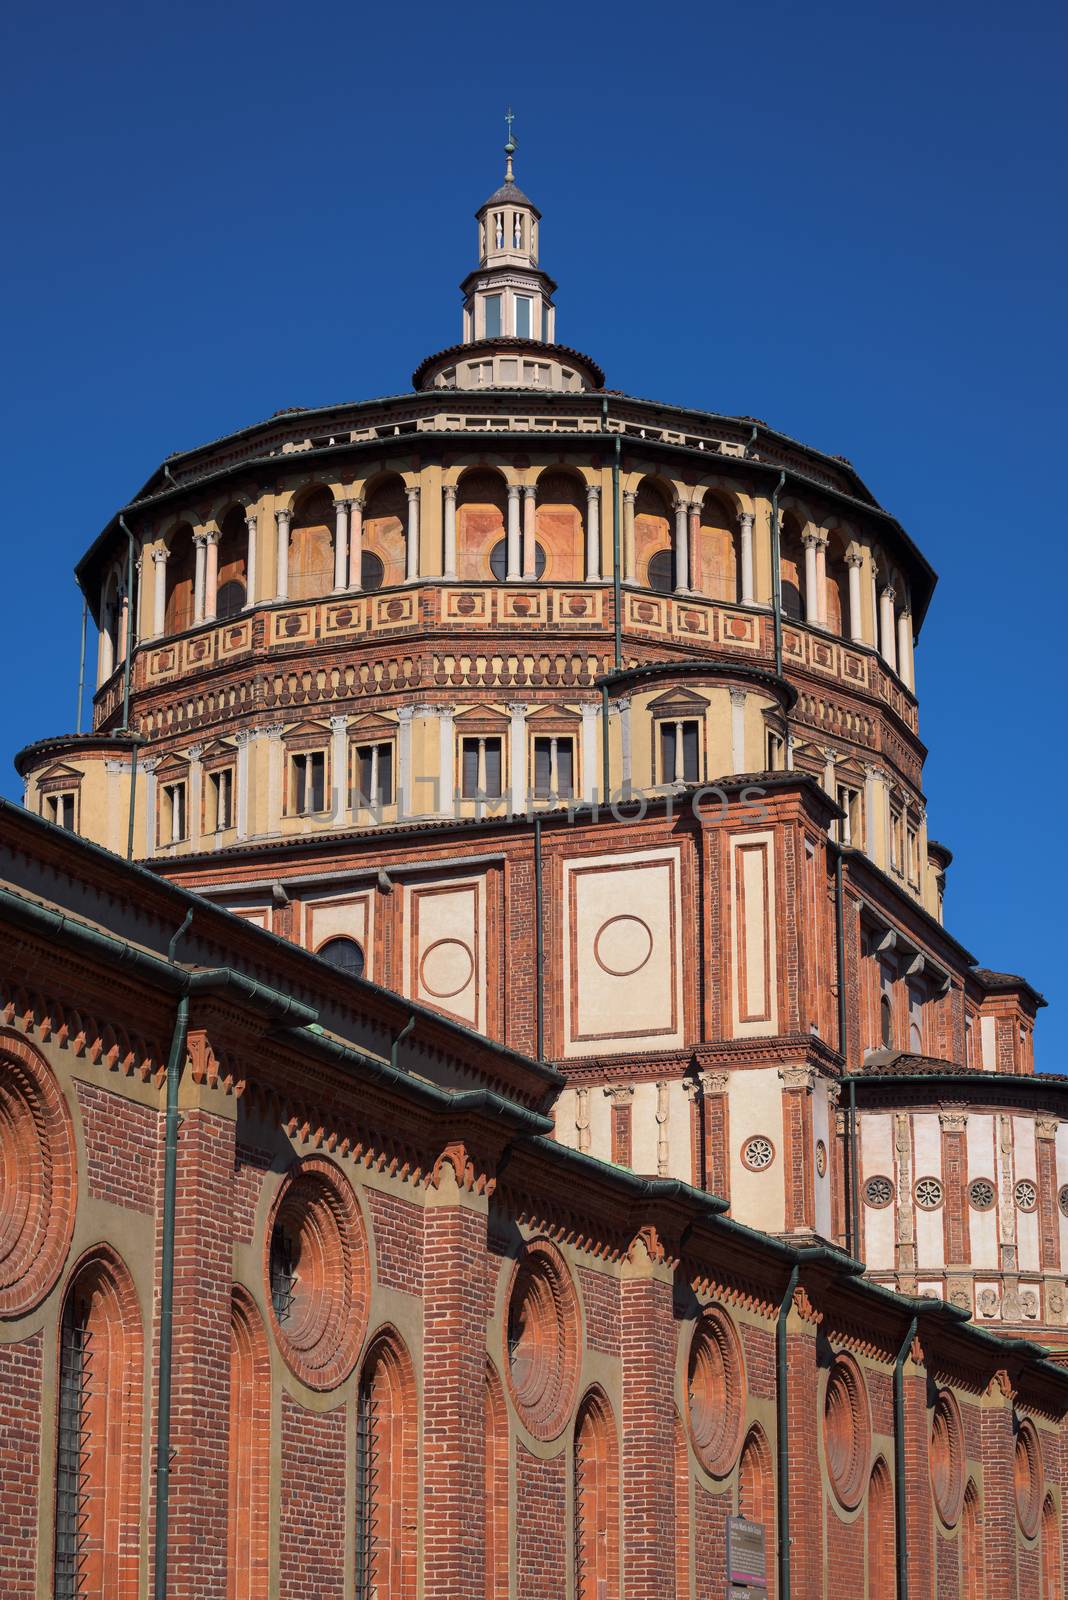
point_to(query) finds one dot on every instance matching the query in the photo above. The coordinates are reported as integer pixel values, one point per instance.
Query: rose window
(928, 1194)
(878, 1191)
(981, 1194)
(1026, 1195)
(758, 1153)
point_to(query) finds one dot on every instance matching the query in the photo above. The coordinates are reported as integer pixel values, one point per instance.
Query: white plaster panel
(754, 966)
(821, 1129)
(445, 941)
(342, 917)
(600, 1124)
(680, 1153)
(1027, 1239)
(1025, 1157)
(988, 1043)
(622, 953)
(877, 1156)
(259, 916)
(1062, 1178)
(927, 1163)
(982, 1163)
(564, 1130)
(754, 1105)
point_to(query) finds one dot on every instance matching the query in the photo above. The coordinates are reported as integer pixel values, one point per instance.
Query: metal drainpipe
(539, 941)
(395, 1046)
(853, 1192)
(776, 573)
(81, 667)
(166, 1290)
(900, 1549)
(782, 1448)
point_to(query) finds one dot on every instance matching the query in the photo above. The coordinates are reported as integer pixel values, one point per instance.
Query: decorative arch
(311, 544)
(385, 520)
(496, 1488)
(1052, 1555)
(387, 1470)
(231, 591)
(98, 1437)
(596, 1499)
(248, 1527)
(38, 1177)
(481, 521)
(560, 523)
(973, 1576)
(181, 576)
(882, 1575)
(718, 557)
(653, 535)
(792, 567)
(756, 1481)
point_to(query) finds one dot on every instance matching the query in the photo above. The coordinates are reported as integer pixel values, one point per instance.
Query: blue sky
(848, 221)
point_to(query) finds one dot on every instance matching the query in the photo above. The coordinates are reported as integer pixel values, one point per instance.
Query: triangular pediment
(482, 714)
(553, 714)
(686, 698)
(60, 773)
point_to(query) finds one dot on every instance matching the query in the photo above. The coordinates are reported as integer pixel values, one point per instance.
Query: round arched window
(1028, 1476)
(542, 1339)
(886, 1020)
(716, 1391)
(230, 599)
(344, 954)
(947, 1458)
(372, 572)
(499, 560)
(846, 1430)
(661, 573)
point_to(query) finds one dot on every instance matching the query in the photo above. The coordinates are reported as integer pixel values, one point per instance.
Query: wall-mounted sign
(747, 1564)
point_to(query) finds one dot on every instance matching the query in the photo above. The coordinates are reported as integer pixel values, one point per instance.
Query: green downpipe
(776, 572)
(394, 1048)
(166, 1291)
(81, 667)
(853, 1194)
(539, 943)
(782, 1443)
(900, 1520)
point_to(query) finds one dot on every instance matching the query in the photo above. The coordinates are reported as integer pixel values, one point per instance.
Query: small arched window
(596, 1501)
(662, 571)
(886, 1021)
(248, 1525)
(499, 560)
(372, 571)
(882, 1578)
(386, 1482)
(344, 954)
(230, 599)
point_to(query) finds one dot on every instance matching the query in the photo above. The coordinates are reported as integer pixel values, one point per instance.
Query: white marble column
(124, 623)
(251, 527)
(530, 544)
(159, 591)
(682, 551)
(404, 761)
(196, 790)
(630, 557)
(887, 641)
(812, 601)
(242, 740)
(746, 521)
(277, 776)
(854, 562)
(282, 520)
(821, 583)
(904, 648)
(341, 798)
(623, 707)
(211, 575)
(411, 573)
(105, 659)
(198, 578)
(694, 548)
(449, 552)
(591, 763)
(517, 755)
(738, 699)
(356, 542)
(148, 767)
(514, 571)
(446, 761)
(830, 782)
(341, 546)
(593, 534)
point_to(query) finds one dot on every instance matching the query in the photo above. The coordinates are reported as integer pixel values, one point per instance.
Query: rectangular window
(173, 813)
(897, 841)
(492, 303)
(554, 768)
(523, 304)
(220, 798)
(774, 751)
(480, 768)
(308, 782)
(59, 808)
(850, 829)
(680, 752)
(912, 866)
(374, 774)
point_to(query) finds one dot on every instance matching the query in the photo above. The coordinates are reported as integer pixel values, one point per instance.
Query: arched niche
(718, 556)
(181, 577)
(311, 544)
(653, 529)
(560, 524)
(385, 519)
(481, 522)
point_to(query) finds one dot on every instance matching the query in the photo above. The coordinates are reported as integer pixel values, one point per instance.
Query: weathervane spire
(509, 148)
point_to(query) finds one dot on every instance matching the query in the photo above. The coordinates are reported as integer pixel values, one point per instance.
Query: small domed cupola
(509, 320)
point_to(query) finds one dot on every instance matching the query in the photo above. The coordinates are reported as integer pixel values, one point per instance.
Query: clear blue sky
(847, 220)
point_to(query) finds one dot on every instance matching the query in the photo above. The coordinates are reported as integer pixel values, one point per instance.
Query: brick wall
(541, 1525)
(398, 1232)
(314, 1506)
(120, 1148)
(20, 1447)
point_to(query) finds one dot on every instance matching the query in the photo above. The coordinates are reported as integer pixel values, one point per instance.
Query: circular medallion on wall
(929, 1193)
(446, 968)
(317, 1271)
(1028, 1474)
(947, 1458)
(38, 1177)
(1026, 1194)
(846, 1430)
(878, 1191)
(1062, 1199)
(716, 1387)
(982, 1193)
(623, 945)
(821, 1159)
(542, 1339)
(758, 1153)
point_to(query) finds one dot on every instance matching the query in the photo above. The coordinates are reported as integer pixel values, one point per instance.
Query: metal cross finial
(509, 149)
(509, 117)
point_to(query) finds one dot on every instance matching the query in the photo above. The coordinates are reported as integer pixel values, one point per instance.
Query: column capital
(450, 491)
(516, 708)
(283, 515)
(812, 541)
(251, 520)
(200, 539)
(629, 496)
(405, 713)
(357, 502)
(593, 491)
(619, 1093)
(412, 492)
(1046, 1127)
(195, 751)
(342, 504)
(854, 556)
(211, 536)
(513, 491)
(338, 724)
(745, 518)
(797, 1078)
(738, 697)
(889, 593)
(953, 1121)
(160, 555)
(530, 491)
